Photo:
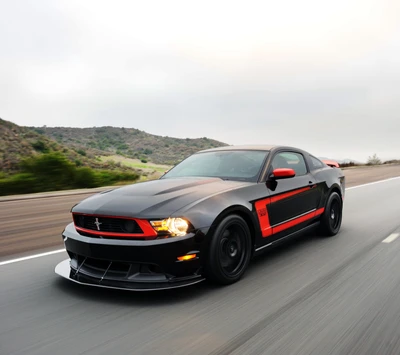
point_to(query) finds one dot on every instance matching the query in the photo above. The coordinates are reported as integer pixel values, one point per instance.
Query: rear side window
(316, 163)
(290, 160)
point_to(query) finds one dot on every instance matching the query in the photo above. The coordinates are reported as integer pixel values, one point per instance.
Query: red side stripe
(297, 221)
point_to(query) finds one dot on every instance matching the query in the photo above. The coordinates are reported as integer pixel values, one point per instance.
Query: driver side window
(290, 160)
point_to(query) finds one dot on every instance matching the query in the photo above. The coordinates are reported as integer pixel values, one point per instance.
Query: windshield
(243, 165)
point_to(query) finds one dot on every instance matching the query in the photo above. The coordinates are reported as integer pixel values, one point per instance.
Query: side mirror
(282, 173)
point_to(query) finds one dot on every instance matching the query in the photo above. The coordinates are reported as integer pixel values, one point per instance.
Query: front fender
(206, 214)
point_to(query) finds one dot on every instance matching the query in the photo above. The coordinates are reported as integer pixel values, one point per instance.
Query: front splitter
(63, 269)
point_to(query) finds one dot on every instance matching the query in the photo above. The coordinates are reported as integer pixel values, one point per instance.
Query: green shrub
(39, 130)
(40, 146)
(18, 184)
(85, 178)
(106, 177)
(53, 171)
(122, 146)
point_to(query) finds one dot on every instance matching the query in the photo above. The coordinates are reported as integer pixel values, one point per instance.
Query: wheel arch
(335, 188)
(243, 212)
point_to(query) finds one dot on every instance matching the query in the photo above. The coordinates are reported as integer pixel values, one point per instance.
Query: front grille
(107, 224)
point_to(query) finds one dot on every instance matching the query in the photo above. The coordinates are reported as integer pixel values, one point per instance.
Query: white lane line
(391, 238)
(31, 257)
(61, 250)
(373, 183)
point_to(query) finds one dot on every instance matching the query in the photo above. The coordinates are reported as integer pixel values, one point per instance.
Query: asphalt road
(34, 224)
(312, 295)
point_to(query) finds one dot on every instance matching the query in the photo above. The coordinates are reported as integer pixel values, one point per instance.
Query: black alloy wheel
(230, 251)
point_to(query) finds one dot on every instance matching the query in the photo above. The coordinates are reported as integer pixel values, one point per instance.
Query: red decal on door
(263, 218)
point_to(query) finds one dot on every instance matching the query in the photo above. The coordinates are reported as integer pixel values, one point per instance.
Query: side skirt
(292, 235)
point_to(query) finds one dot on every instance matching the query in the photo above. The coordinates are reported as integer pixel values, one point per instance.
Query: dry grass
(135, 163)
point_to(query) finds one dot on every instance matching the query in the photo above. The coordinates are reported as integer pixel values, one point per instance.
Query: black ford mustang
(205, 218)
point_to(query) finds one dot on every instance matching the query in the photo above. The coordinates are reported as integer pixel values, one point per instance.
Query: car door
(293, 201)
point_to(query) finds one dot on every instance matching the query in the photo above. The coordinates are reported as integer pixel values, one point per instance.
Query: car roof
(264, 147)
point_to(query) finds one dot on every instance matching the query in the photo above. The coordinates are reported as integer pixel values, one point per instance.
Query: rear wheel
(331, 219)
(230, 251)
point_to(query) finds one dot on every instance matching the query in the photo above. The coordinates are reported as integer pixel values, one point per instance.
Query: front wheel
(230, 251)
(331, 219)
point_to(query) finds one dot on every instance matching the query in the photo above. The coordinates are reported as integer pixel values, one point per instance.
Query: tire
(230, 251)
(331, 219)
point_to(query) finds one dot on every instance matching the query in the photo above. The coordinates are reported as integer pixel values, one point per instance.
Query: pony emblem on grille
(97, 223)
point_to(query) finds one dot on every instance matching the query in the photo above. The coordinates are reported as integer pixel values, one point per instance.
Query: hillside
(31, 162)
(129, 142)
(18, 143)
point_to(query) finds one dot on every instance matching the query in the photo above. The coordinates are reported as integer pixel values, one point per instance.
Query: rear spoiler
(331, 163)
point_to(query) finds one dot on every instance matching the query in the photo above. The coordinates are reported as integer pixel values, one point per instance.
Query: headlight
(177, 227)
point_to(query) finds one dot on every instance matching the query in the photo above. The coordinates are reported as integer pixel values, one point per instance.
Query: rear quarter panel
(330, 179)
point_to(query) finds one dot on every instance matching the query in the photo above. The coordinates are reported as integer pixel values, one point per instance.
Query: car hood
(154, 199)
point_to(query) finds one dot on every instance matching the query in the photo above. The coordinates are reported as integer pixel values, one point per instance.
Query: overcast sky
(320, 75)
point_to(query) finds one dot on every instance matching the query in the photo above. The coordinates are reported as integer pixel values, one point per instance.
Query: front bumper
(131, 264)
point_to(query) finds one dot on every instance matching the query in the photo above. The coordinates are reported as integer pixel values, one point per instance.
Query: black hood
(154, 199)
